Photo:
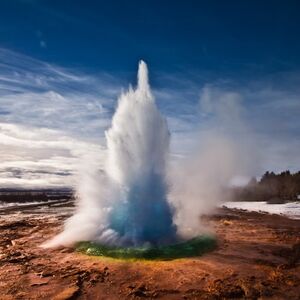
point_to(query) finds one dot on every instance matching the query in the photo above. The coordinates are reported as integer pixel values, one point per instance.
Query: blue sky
(64, 63)
(223, 37)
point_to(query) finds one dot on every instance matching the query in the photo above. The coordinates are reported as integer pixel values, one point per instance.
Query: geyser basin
(191, 248)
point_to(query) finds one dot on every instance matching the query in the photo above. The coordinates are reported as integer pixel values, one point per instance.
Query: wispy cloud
(50, 117)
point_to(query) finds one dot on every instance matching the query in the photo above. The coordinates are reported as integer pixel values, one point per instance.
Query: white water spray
(128, 205)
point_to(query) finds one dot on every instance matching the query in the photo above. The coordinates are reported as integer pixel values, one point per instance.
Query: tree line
(273, 188)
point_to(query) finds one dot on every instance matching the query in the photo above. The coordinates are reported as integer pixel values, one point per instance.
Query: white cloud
(41, 155)
(50, 119)
(50, 116)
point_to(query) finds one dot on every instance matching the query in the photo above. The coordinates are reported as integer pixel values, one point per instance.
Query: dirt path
(257, 257)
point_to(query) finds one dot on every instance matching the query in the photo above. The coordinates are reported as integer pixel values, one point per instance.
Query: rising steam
(138, 199)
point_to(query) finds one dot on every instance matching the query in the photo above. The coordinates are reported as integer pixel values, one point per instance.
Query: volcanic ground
(257, 257)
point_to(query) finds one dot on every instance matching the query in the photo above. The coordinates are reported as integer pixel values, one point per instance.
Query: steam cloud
(140, 198)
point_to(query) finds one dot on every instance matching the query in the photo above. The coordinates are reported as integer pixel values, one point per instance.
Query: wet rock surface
(257, 258)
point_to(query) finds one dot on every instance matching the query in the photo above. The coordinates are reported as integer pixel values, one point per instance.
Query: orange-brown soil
(257, 258)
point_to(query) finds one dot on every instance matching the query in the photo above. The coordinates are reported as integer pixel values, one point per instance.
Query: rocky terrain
(257, 258)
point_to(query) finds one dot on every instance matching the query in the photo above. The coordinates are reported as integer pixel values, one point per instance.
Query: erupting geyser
(127, 205)
(125, 210)
(138, 143)
(137, 200)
